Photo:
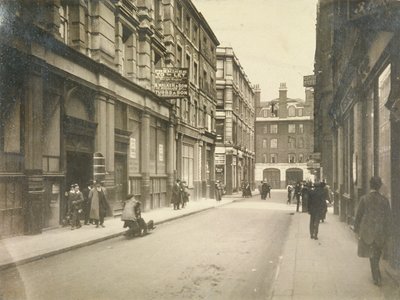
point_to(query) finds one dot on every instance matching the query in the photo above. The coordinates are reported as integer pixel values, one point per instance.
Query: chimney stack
(282, 91)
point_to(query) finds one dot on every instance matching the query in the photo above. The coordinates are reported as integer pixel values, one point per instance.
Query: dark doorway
(121, 181)
(79, 169)
(294, 175)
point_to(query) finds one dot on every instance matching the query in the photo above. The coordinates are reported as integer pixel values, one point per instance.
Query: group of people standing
(246, 189)
(180, 194)
(265, 190)
(91, 205)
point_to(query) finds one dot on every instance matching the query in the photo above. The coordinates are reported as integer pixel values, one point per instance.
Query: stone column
(33, 150)
(110, 151)
(196, 169)
(145, 160)
(170, 161)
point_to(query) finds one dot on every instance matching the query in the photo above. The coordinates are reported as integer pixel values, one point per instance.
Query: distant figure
(297, 194)
(289, 190)
(75, 204)
(268, 189)
(86, 202)
(218, 190)
(184, 194)
(265, 190)
(243, 187)
(248, 189)
(305, 196)
(176, 194)
(98, 204)
(316, 204)
(373, 226)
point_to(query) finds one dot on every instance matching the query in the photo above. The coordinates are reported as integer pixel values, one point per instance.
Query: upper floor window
(300, 143)
(64, 23)
(220, 98)
(292, 111)
(301, 128)
(291, 143)
(179, 12)
(301, 158)
(274, 128)
(220, 68)
(195, 33)
(195, 73)
(292, 158)
(179, 56)
(274, 143)
(292, 128)
(188, 64)
(273, 158)
(265, 158)
(187, 26)
(264, 143)
(300, 112)
(265, 129)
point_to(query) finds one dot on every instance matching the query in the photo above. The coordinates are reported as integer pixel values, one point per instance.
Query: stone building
(191, 44)
(284, 139)
(358, 71)
(234, 154)
(77, 102)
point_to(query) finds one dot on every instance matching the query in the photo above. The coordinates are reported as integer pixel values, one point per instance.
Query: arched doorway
(294, 175)
(273, 177)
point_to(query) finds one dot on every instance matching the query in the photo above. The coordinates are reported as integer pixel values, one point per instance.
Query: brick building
(284, 139)
(234, 154)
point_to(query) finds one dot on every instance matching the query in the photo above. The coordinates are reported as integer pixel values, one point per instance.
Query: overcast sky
(273, 39)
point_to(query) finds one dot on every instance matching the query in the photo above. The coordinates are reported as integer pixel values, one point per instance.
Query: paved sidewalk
(23, 249)
(328, 268)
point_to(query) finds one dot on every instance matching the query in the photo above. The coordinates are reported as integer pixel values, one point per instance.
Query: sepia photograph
(199, 149)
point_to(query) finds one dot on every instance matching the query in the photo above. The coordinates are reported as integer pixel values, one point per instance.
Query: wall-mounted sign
(172, 82)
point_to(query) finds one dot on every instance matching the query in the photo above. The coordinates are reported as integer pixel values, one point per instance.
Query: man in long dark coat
(176, 194)
(316, 204)
(373, 226)
(98, 204)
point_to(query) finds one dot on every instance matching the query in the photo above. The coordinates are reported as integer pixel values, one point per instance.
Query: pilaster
(145, 160)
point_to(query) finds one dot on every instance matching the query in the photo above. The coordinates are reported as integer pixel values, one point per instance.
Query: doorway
(79, 169)
(121, 182)
(273, 177)
(294, 175)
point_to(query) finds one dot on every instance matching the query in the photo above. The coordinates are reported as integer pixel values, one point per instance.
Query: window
(292, 158)
(195, 73)
(63, 10)
(264, 143)
(187, 164)
(292, 128)
(220, 125)
(187, 26)
(300, 112)
(179, 14)
(291, 143)
(301, 143)
(188, 64)
(265, 158)
(220, 99)
(273, 158)
(179, 56)
(274, 128)
(301, 128)
(292, 111)
(274, 143)
(301, 158)
(195, 33)
(266, 129)
(220, 68)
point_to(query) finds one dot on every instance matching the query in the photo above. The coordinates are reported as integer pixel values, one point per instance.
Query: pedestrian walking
(243, 187)
(297, 194)
(315, 209)
(67, 209)
(98, 204)
(373, 226)
(305, 195)
(75, 204)
(268, 189)
(248, 189)
(218, 190)
(86, 202)
(265, 189)
(289, 190)
(260, 189)
(176, 194)
(184, 194)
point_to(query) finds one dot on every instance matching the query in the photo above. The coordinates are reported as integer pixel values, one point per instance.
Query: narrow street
(230, 252)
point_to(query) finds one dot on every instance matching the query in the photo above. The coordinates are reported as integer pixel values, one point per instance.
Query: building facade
(191, 44)
(361, 93)
(234, 154)
(77, 103)
(284, 139)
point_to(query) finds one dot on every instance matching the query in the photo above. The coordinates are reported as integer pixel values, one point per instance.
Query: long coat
(176, 194)
(372, 223)
(98, 203)
(316, 201)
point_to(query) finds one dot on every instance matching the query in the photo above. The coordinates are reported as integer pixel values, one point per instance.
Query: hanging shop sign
(172, 82)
